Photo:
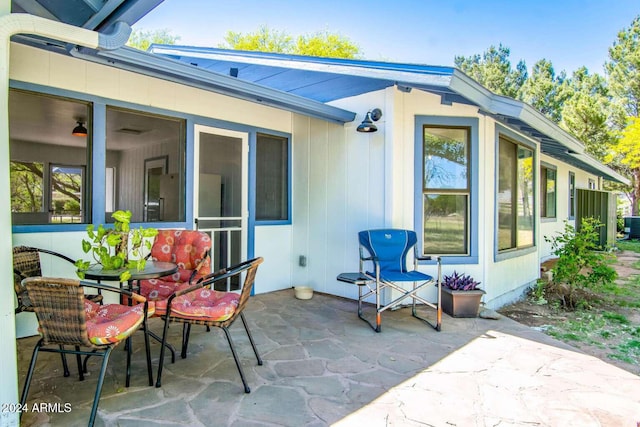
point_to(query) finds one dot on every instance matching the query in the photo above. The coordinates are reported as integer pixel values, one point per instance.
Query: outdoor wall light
(367, 124)
(79, 130)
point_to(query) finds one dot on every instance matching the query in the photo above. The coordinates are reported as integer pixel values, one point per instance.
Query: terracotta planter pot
(461, 303)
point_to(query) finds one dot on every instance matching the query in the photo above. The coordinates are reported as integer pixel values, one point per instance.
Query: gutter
(13, 24)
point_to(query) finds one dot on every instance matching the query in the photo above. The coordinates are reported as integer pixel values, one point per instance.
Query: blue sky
(569, 33)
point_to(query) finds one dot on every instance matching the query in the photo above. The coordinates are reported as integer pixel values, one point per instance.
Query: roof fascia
(509, 107)
(179, 72)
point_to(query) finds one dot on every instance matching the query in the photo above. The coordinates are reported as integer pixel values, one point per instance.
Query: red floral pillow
(187, 249)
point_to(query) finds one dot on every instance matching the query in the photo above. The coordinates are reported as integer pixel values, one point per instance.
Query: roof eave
(509, 107)
(168, 69)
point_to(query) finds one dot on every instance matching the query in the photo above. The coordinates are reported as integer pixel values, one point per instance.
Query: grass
(608, 325)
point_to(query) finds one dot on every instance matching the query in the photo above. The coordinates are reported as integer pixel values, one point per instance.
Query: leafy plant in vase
(112, 247)
(461, 295)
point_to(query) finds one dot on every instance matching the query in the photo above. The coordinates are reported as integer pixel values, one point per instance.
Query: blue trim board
(97, 174)
(514, 253)
(474, 167)
(252, 148)
(97, 168)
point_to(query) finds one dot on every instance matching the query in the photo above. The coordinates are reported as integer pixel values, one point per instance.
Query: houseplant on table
(118, 247)
(461, 295)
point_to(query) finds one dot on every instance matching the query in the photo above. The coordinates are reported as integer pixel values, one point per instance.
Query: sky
(569, 33)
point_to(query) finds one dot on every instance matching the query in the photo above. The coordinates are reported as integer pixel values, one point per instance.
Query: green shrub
(581, 264)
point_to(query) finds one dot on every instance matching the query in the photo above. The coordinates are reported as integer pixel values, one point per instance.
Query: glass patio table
(152, 270)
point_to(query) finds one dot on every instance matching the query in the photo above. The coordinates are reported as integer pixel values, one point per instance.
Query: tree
(327, 45)
(265, 39)
(545, 91)
(623, 78)
(585, 113)
(26, 186)
(493, 70)
(142, 39)
(628, 148)
(623, 71)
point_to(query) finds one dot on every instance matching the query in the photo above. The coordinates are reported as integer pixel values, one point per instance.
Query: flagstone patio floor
(324, 366)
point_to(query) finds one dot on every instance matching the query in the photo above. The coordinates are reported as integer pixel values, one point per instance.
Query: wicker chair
(27, 263)
(200, 304)
(67, 318)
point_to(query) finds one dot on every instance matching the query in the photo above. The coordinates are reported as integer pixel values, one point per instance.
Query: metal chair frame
(375, 283)
(250, 267)
(68, 328)
(19, 266)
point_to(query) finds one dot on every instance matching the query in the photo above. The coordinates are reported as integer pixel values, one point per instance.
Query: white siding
(343, 181)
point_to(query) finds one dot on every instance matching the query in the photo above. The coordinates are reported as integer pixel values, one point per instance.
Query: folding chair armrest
(367, 258)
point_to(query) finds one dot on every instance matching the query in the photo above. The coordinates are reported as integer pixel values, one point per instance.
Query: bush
(581, 264)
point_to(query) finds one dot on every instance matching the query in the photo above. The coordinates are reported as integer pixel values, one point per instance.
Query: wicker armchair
(200, 304)
(67, 318)
(27, 263)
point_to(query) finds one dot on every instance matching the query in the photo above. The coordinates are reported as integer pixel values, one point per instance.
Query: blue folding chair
(387, 250)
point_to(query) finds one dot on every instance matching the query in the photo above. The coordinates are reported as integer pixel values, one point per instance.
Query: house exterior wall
(342, 181)
(38, 67)
(504, 276)
(551, 227)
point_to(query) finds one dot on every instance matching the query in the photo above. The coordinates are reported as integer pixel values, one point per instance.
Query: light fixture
(367, 124)
(79, 130)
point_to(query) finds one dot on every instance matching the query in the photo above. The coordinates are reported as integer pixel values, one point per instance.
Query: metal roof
(329, 79)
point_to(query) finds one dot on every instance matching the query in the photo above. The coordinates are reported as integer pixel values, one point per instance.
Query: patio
(324, 366)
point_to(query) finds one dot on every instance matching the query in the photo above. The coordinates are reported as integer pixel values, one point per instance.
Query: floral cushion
(158, 289)
(111, 323)
(187, 249)
(202, 304)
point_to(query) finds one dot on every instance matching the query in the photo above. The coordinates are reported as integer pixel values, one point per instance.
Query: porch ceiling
(94, 15)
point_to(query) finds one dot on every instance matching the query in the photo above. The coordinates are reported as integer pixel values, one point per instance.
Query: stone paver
(323, 366)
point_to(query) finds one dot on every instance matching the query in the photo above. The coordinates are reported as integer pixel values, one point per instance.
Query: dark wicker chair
(27, 263)
(67, 318)
(201, 304)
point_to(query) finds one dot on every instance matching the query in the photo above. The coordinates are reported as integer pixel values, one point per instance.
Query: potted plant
(117, 248)
(461, 295)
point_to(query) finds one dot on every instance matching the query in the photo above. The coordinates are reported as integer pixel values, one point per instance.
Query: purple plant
(459, 282)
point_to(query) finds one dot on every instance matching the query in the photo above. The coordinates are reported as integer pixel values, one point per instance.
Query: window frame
(85, 163)
(471, 225)
(96, 158)
(507, 134)
(545, 169)
(83, 192)
(572, 195)
(287, 176)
